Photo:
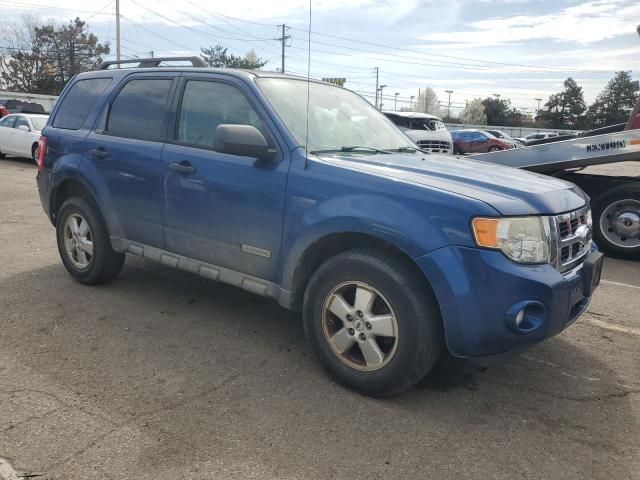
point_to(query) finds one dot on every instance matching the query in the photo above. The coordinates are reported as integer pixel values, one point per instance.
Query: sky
(518, 49)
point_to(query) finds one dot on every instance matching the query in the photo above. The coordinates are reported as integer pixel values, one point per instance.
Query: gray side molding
(259, 286)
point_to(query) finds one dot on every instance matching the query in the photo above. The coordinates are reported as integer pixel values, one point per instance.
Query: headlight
(522, 239)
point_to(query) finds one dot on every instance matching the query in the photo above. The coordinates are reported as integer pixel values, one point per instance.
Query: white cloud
(584, 24)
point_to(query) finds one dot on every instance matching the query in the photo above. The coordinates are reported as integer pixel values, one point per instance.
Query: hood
(509, 190)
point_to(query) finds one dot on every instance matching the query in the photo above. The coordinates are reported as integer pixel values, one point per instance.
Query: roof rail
(153, 62)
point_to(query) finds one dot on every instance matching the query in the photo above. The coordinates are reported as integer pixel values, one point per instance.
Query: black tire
(494, 148)
(105, 263)
(599, 206)
(419, 340)
(34, 153)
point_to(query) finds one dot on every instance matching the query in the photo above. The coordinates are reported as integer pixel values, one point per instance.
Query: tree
(474, 113)
(217, 56)
(565, 109)
(614, 104)
(500, 112)
(41, 59)
(428, 102)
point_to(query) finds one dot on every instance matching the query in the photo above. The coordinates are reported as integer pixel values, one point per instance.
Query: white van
(427, 131)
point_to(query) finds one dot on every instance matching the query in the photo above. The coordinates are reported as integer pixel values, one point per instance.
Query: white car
(427, 131)
(19, 134)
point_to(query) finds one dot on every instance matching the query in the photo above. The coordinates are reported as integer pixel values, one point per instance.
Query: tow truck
(615, 200)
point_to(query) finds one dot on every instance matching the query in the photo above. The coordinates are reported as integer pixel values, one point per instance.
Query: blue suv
(303, 192)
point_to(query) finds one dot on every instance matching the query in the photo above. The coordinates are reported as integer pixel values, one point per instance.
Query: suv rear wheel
(372, 323)
(83, 243)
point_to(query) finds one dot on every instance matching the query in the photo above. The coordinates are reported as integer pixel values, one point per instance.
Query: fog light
(526, 317)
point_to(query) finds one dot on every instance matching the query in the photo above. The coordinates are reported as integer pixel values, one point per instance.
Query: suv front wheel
(83, 243)
(372, 322)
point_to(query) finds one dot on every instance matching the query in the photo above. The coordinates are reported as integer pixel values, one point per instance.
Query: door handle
(182, 167)
(99, 152)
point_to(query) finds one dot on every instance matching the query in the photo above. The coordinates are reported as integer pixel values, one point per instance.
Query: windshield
(39, 122)
(337, 117)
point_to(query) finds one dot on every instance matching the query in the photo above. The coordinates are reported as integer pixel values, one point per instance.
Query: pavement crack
(559, 396)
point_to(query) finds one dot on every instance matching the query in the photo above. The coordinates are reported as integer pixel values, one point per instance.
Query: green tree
(41, 59)
(497, 110)
(565, 109)
(614, 104)
(218, 56)
(474, 113)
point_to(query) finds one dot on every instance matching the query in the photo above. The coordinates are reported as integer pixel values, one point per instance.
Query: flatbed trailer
(615, 200)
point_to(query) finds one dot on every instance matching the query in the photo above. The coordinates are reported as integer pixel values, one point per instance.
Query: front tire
(34, 153)
(372, 321)
(616, 221)
(494, 149)
(83, 243)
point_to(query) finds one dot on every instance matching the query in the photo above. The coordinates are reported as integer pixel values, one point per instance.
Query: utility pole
(395, 102)
(151, 52)
(377, 75)
(449, 104)
(283, 39)
(118, 31)
(539, 100)
(411, 102)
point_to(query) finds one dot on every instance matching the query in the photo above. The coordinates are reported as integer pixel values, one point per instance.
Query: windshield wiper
(352, 148)
(408, 149)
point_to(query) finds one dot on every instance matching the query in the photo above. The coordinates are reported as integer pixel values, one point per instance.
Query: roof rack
(153, 62)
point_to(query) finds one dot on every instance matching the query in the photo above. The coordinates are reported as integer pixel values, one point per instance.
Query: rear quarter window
(79, 101)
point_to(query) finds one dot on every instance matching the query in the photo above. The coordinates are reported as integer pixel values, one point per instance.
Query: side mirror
(242, 140)
(24, 128)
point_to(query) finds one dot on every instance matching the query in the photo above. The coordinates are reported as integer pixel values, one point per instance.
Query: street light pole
(395, 102)
(411, 102)
(539, 100)
(449, 104)
(381, 88)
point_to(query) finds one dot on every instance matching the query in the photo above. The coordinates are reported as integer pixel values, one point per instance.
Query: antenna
(306, 143)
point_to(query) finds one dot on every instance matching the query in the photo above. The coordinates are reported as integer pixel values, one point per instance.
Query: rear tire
(408, 343)
(616, 221)
(494, 149)
(34, 153)
(83, 243)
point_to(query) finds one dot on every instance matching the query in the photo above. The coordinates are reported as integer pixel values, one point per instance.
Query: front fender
(387, 219)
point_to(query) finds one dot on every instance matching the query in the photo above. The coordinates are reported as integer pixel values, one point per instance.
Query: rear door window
(79, 101)
(8, 122)
(140, 109)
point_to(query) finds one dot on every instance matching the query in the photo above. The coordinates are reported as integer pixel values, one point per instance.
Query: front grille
(572, 245)
(435, 146)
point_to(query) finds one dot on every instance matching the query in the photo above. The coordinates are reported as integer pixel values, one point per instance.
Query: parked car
(18, 106)
(427, 131)
(303, 192)
(19, 135)
(503, 136)
(477, 141)
(536, 136)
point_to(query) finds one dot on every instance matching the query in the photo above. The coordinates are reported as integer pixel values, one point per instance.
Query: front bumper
(480, 291)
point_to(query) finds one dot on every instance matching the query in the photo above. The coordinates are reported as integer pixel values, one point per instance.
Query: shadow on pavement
(172, 374)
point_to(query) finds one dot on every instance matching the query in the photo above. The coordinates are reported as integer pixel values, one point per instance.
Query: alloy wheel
(360, 326)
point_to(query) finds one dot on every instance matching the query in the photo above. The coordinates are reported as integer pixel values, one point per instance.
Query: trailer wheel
(616, 221)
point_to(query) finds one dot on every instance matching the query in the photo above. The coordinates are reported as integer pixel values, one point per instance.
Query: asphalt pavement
(164, 375)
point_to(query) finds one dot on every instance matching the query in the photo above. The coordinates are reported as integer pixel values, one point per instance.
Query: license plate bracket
(592, 271)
